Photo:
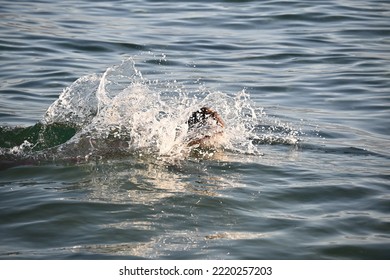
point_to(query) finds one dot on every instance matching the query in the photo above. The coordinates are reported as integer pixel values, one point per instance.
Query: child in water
(205, 128)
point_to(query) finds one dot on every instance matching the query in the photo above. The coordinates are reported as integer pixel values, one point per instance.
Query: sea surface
(94, 99)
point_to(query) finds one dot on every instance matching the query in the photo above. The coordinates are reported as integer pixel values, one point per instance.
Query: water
(93, 108)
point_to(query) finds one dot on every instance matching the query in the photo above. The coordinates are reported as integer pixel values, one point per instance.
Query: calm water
(304, 89)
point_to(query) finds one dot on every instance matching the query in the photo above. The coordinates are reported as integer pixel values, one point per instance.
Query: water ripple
(316, 76)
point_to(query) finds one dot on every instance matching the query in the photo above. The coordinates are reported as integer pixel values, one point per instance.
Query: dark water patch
(9, 45)
(39, 136)
(65, 220)
(367, 32)
(70, 253)
(96, 46)
(353, 151)
(318, 193)
(350, 252)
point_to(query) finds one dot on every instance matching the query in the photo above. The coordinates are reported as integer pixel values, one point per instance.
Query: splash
(136, 115)
(121, 113)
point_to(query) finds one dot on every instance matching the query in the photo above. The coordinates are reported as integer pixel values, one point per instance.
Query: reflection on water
(148, 181)
(155, 197)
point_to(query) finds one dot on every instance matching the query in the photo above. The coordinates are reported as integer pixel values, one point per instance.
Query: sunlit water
(94, 155)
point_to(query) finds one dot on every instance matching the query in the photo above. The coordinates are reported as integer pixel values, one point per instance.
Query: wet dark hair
(200, 117)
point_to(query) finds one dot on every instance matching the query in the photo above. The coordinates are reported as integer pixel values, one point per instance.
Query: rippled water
(94, 99)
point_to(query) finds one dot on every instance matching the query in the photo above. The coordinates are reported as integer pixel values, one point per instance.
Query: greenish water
(94, 100)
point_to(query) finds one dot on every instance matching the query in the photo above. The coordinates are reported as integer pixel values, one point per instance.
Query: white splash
(122, 112)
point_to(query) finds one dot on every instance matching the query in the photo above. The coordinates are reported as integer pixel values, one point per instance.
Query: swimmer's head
(204, 117)
(205, 128)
